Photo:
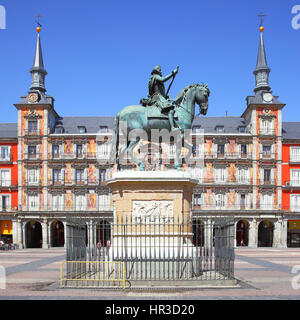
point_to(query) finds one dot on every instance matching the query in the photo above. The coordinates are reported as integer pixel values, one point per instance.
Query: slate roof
(291, 130)
(8, 130)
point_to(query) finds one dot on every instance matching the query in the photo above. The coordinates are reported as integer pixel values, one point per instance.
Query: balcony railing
(33, 156)
(291, 183)
(8, 183)
(79, 156)
(90, 182)
(33, 132)
(291, 208)
(236, 207)
(225, 155)
(224, 181)
(267, 132)
(7, 158)
(267, 156)
(294, 159)
(72, 208)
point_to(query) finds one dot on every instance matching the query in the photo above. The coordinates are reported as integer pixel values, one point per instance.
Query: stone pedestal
(152, 215)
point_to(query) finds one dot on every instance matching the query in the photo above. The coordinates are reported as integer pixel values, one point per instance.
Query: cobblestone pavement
(262, 274)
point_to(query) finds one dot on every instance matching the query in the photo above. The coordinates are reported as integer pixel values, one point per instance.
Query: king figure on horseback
(157, 95)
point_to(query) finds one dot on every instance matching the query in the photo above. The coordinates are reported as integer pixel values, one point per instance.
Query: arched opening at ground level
(265, 234)
(242, 233)
(198, 233)
(293, 234)
(33, 235)
(103, 234)
(57, 234)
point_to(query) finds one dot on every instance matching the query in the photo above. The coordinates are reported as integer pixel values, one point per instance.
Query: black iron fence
(157, 251)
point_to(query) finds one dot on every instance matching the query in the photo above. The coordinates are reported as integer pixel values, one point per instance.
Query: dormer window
(59, 130)
(82, 129)
(196, 129)
(220, 129)
(242, 129)
(103, 129)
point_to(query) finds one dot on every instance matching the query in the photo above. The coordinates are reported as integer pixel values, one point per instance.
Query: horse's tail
(115, 141)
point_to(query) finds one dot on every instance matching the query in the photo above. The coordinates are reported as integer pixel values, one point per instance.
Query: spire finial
(39, 28)
(261, 16)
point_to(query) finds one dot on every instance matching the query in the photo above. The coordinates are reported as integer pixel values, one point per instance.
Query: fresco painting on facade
(232, 200)
(68, 147)
(92, 178)
(232, 173)
(68, 174)
(209, 173)
(91, 203)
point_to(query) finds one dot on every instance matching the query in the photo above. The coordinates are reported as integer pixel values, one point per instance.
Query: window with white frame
(197, 200)
(266, 201)
(5, 178)
(295, 154)
(5, 153)
(103, 150)
(57, 202)
(5, 202)
(80, 202)
(295, 177)
(295, 202)
(266, 126)
(220, 201)
(220, 175)
(243, 175)
(33, 203)
(32, 176)
(104, 202)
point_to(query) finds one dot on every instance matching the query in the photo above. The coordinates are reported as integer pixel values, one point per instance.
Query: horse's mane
(181, 95)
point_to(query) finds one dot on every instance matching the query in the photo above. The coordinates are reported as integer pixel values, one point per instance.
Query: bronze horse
(136, 118)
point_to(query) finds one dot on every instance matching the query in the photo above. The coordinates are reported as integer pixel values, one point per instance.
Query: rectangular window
(221, 150)
(32, 176)
(5, 203)
(80, 202)
(220, 175)
(32, 152)
(79, 151)
(295, 202)
(80, 176)
(267, 176)
(5, 178)
(197, 200)
(33, 203)
(266, 126)
(266, 151)
(4, 153)
(57, 203)
(57, 176)
(244, 150)
(55, 151)
(32, 126)
(103, 129)
(102, 175)
(242, 129)
(243, 201)
(220, 201)
(295, 154)
(266, 202)
(295, 177)
(220, 129)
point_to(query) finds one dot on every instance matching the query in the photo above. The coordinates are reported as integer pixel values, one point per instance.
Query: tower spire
(262, 70)
(38, 71)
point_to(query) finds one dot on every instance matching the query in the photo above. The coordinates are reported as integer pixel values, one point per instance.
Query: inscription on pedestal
(159, 212)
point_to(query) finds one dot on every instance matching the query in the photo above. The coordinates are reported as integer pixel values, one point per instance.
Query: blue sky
(99, 54)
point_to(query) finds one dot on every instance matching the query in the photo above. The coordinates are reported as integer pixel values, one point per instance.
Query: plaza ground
(263, 273)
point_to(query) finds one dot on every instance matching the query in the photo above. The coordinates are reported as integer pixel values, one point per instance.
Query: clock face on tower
(268, 97)
(33, 97)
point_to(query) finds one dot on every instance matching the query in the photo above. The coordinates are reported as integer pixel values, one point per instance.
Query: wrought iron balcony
(267, 156)
(291, 184)
(70, 208)
(6, 159)
(8, 184)
(33, 132)
(235, 207)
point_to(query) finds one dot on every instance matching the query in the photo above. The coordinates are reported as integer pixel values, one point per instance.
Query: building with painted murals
(251, 168)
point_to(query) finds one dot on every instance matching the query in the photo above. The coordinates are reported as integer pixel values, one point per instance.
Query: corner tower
(263, 116)
(36, 121)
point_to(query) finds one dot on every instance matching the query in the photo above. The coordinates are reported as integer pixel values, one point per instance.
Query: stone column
(65, 233)
(234, 242)
(208, 233)
(280, 234)
(45, 234)
(18, 234)
(253, 234)
(90, 233)
(23, 234)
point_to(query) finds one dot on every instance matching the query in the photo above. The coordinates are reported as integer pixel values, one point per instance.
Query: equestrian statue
(158, 111)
